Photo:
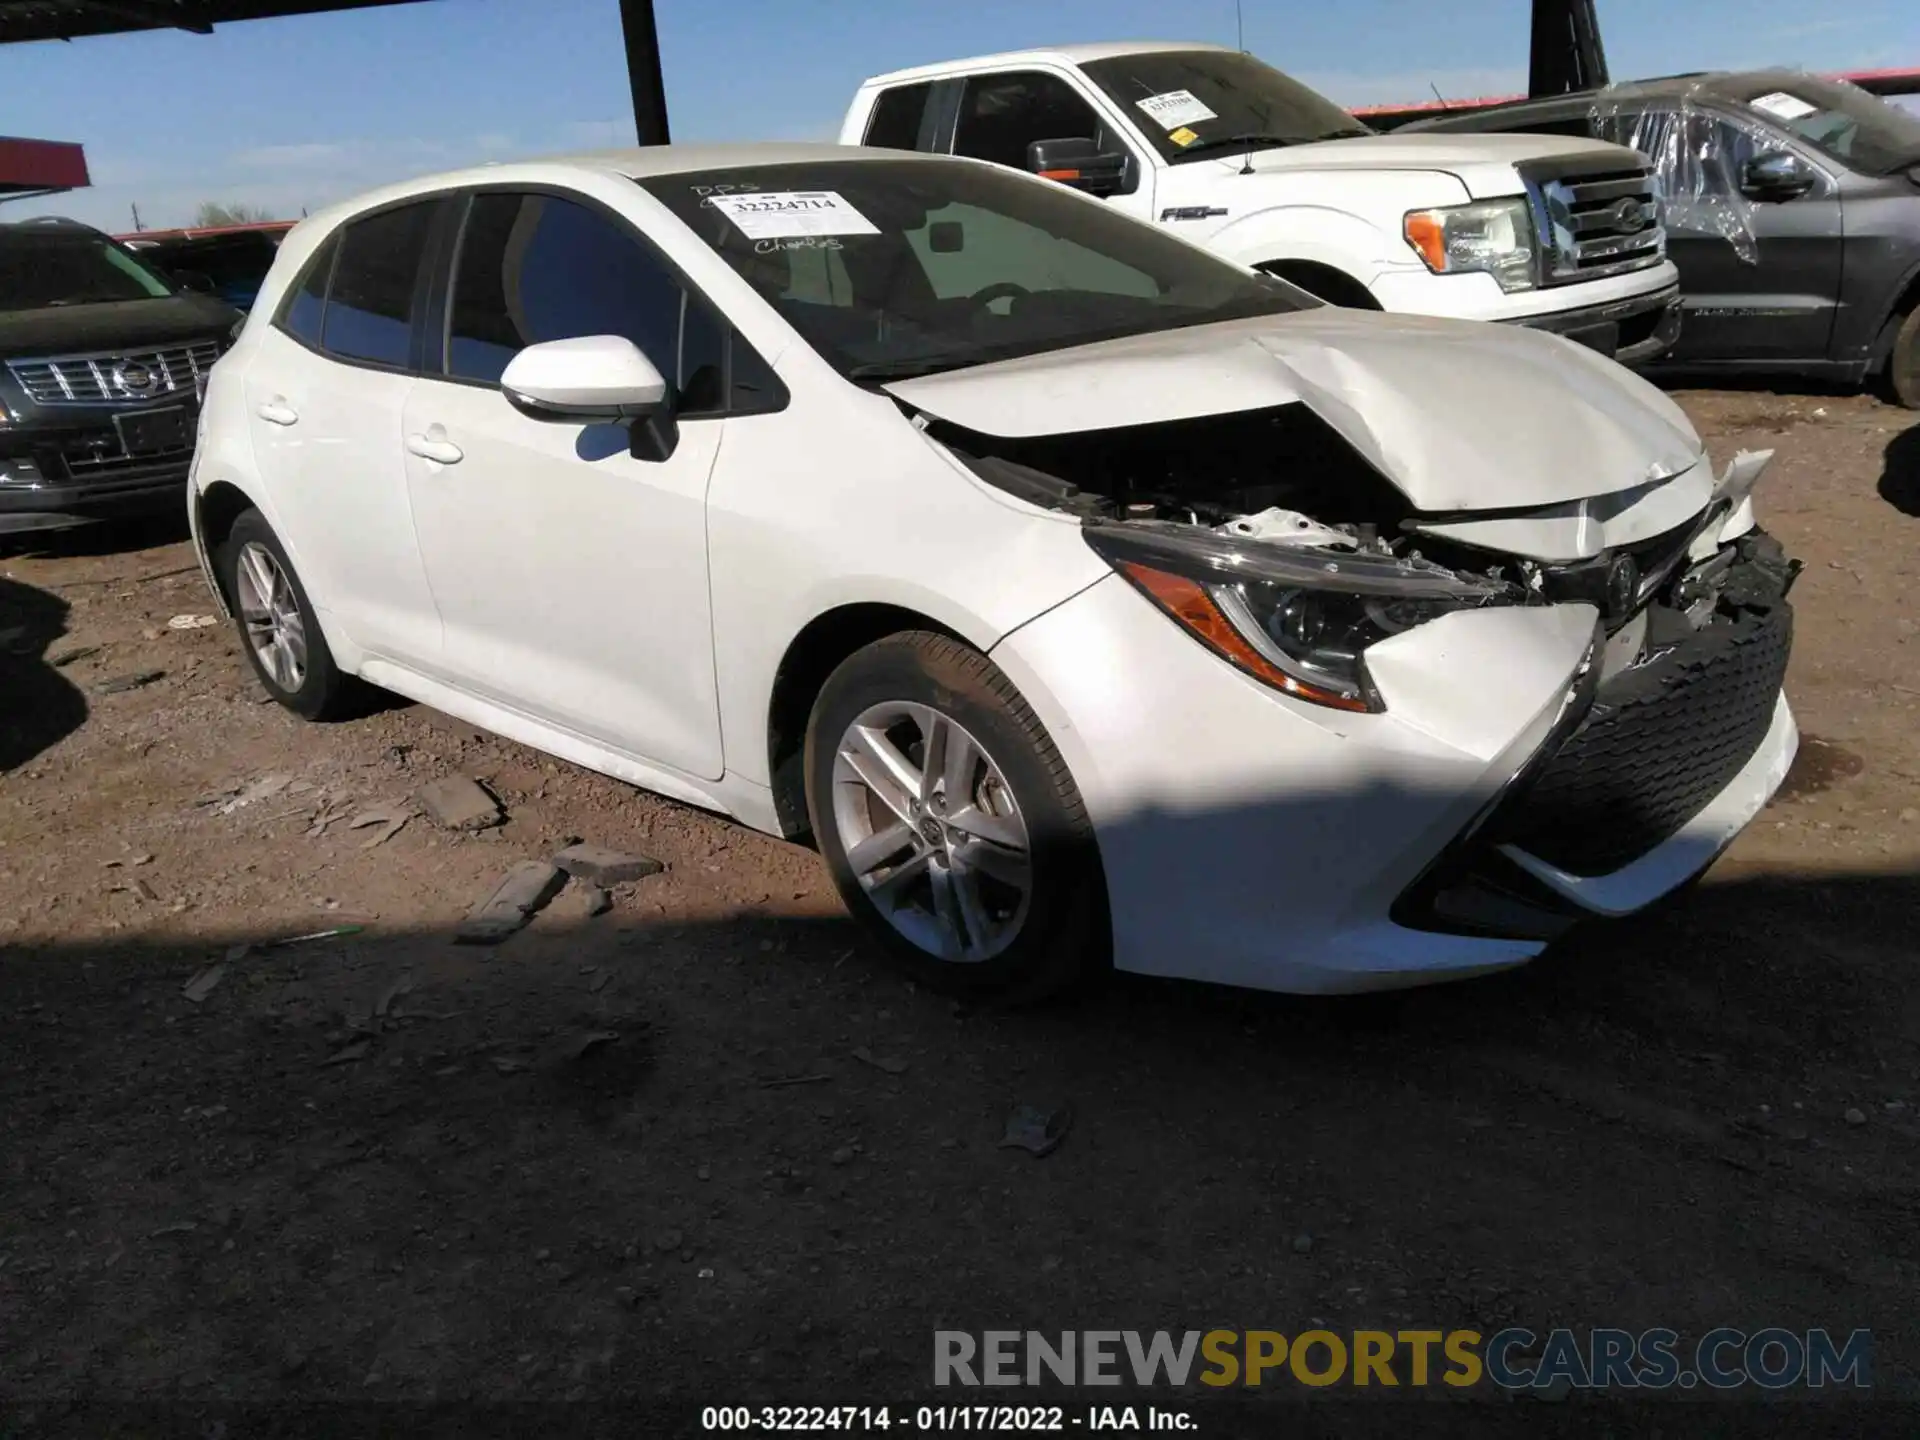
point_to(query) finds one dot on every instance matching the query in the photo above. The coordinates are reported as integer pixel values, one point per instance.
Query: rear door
(325, 392)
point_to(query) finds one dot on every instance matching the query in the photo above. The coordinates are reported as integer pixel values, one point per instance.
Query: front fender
(1337, 239)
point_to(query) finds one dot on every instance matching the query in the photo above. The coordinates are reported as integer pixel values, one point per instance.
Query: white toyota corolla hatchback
(1087, 598)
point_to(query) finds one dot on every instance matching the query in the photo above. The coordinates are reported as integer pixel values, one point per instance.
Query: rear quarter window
(897, 117)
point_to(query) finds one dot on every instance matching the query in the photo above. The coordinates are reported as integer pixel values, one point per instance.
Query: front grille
(1662, 739)
(101, 456)
(116, 377)
(1602, 223)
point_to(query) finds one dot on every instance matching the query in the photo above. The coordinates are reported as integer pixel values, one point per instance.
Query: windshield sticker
(787, 214)
(1175, 109)
(1183, 136)
(1783, 106)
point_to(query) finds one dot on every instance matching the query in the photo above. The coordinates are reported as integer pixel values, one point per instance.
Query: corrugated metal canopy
(69, 19)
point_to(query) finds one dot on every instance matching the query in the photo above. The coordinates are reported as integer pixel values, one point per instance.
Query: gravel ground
(703, 1147)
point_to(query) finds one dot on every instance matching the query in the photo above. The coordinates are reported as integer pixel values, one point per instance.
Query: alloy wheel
(271, 614)
(932, 830)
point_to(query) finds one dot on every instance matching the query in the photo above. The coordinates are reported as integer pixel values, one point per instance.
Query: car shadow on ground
(39, 706)
(1900, 475)
(620, 1157)
(107, 537)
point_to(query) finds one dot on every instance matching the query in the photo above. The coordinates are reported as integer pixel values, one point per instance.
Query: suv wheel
(1903, 362)
(950, 824)
(278, 630)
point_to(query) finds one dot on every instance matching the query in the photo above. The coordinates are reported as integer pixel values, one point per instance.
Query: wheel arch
(1906, 300)
(813, 654)
(1329, 282)
(215, 509)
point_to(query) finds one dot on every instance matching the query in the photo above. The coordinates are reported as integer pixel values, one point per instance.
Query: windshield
(902, 267)
(43, 268)
(1199, 102)
(1862, 130)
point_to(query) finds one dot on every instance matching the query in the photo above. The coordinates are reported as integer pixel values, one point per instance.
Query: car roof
(1053, 54)
(1726, 85)
(634, 162)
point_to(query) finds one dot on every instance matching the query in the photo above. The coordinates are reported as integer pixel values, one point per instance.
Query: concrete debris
(402, 984)
(265, 788)
(202, 985)
(347, 1054)
(68, 657)
(1036, 1131)
(1855, 1115)
(526, 889)
(391, 819)
(601, 866)
(596, 901)
(121, 683)
(893, 1065)
(460, 802)
(192, 622)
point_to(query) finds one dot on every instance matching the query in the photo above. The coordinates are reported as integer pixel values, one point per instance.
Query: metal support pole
(1567, 54)
(643, 71)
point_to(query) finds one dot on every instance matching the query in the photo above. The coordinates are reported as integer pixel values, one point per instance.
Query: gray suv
(1793, 214)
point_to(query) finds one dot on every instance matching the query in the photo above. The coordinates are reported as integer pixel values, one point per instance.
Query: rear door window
(376, 280)
(897, 116)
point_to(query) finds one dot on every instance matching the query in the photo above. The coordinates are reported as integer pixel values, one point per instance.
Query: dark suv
(101, 361)
(1793, 215)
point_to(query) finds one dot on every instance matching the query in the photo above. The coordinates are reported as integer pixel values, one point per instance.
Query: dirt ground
(704, 1149)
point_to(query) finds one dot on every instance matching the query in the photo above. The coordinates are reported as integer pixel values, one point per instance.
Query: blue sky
(292, 113)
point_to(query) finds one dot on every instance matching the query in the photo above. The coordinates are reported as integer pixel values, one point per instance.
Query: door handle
(444, 452)
(277, 412)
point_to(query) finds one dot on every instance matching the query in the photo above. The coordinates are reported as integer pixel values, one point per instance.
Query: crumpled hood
(1458, 415)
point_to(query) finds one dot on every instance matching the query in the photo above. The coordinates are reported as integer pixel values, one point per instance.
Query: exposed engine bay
(1311, 552)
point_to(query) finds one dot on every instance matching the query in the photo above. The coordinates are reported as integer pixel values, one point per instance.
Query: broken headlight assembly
(1295, 618)
(1491, 236)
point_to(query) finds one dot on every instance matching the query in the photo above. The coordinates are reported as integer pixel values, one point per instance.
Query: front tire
(278, 630)
(950, 824)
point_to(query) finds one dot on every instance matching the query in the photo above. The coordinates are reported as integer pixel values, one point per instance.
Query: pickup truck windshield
(1861, 131)
(1195, 103)
(40, 269)
(893, 268)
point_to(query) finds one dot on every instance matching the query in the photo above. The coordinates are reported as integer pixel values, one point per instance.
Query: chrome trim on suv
(114, 377)
(1597, 223)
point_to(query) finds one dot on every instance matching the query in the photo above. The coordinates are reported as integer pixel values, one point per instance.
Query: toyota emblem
(136, 378)
(1623, 587)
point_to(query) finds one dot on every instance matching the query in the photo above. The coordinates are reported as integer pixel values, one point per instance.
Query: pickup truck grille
(114, 377)
(1600, 223)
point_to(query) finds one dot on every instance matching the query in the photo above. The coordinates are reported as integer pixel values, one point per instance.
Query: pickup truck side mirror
(1777, 175)
(1079, 163)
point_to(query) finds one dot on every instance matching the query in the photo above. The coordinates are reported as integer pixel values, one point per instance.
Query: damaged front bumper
(1645, 778)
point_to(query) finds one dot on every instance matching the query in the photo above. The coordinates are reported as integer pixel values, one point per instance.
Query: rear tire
(279, 633)
(950, 824)
(1903, 363)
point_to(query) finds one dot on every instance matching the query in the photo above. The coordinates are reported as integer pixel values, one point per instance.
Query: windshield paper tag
(1175, 109)
(786, 214)
(1783, 106)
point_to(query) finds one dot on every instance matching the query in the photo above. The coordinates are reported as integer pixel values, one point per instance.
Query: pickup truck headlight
(1298, 620)
(1492, 236)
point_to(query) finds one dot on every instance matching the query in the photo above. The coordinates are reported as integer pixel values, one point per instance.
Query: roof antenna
(1239, 29)
(1438, 96)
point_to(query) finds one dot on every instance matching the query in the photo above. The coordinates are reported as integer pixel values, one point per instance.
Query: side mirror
(594, 380)
(1077, 162)
(1778, 175)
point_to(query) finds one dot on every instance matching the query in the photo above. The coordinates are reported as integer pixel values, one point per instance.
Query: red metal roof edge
(1426, 107)
(202, 232)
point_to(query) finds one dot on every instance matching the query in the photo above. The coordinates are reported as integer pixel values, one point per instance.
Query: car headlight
(1492, 236)
(1299, 620)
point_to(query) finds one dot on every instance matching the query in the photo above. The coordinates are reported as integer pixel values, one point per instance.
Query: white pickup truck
(1212, 144)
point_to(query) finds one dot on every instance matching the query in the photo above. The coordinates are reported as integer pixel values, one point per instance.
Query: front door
(1759, 280)
(570, 576)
